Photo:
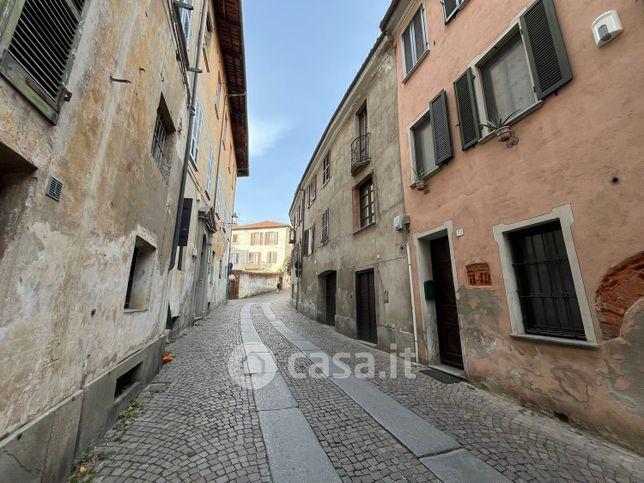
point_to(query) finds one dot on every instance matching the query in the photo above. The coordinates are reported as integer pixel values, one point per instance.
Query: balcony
(360, 156)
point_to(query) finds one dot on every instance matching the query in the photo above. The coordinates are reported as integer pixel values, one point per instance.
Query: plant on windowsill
(500, 126)
(420, 180)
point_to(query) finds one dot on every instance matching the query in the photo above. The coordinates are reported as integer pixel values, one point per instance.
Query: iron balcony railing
(360, 155)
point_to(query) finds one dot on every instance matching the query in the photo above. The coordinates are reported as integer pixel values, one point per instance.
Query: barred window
(325, 227)
(159, 139)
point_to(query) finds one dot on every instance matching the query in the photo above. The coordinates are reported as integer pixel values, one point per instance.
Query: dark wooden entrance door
(330, 298)
(449, 339)
(366, 306)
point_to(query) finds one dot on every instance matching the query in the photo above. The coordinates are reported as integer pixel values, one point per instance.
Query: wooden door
(233, 288)
(366, 306)
(330, 298)
(449, 339)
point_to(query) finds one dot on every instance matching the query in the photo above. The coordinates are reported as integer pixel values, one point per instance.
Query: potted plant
(419, 180)
(499, 126)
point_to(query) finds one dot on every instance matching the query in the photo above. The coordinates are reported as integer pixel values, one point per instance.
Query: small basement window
(137, 296)
(127, 380)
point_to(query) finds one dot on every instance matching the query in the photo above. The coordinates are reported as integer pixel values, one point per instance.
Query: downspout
(299, 280)
(413, 301)
(191, 126)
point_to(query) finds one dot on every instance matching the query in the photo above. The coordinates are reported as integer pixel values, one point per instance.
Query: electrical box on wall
(606, 27)
(429, 287)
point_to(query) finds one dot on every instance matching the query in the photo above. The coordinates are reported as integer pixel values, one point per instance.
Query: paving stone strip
(294, 452)
(437, 450)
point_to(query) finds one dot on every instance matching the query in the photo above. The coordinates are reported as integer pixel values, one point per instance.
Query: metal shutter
(468, 116)
(546, 49)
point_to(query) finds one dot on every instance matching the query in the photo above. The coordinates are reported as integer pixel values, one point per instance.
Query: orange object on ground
(167, 358)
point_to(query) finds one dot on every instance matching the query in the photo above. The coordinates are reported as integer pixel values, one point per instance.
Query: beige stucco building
(94, 125)
(350, 262)
(262, 246)
(527, 254)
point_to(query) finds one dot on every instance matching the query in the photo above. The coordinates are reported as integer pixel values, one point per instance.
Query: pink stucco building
(528, 254)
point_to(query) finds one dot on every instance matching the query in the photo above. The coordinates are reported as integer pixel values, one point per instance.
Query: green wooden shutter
(40, 54)
(468, 115)
(407, 52)
(419, 33)
(184, 231)
(443, 149)
(546, 49)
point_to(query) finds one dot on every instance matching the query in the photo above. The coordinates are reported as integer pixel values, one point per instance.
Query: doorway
(366, 306)
(201, 277)
(449, 339)
(330, 298)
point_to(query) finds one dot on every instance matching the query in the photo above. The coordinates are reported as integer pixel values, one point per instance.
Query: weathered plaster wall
(64, 266)
(378, 247)
(583, 148)
(255, 283)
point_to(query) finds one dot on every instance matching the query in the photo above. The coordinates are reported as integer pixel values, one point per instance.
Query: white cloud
(264, 134)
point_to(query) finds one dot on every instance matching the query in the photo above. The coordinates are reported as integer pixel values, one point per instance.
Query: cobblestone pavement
(198, 423)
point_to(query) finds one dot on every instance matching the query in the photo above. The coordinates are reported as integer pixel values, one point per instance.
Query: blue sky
(301, 56)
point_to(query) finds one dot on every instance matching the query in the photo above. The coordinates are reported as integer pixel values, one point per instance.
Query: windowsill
(555, 341)
(428, 175)
(362, 228)
(415, 67)
(526, 112)
(134, 311)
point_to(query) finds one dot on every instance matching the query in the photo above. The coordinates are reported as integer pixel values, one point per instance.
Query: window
(186, 23)
(300, 212)
(218, 194)
(309, 241)
(234, 258)
(211, 165)
(196, 133)
(224, 132)
(423, 151)
(544, 280)
(158, 139)
(137, 295)
(272, 238)
(525, 66)
(256, 238)
(235, 238)
(507, 85)
(367, 213)
(325, 227)
(218, 94)
(414, 40)
(326, 169)
(254, 257)
(451, 7)
(272, 257)
(312, 191)
(40, 51)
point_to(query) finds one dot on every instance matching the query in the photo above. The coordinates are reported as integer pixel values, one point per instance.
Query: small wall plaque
(478, 275)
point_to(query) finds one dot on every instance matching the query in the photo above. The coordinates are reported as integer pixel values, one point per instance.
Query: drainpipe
(413, 302)
(299, 280)
(191, 125)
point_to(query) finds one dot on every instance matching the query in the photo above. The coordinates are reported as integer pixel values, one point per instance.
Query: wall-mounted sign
(478, 275)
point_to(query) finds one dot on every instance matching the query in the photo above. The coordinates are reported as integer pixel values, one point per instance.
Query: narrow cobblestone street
(201, 421)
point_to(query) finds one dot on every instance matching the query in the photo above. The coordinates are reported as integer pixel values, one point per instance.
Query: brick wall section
(618, 291)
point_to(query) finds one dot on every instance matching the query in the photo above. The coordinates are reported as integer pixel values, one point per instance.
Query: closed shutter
(419, 34)
(546, 49)
(185, 222)
(441, 129)
(409, 59)
(312, 239)
(41, 52)
(468, 115)
(450, 8)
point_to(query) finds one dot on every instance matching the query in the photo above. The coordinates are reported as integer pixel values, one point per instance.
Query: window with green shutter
(38, 40)
(414, 40)
(443, 150)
